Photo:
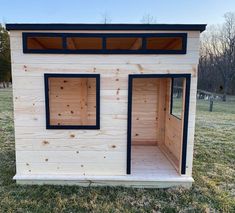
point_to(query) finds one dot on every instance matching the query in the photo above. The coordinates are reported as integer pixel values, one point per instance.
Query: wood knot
(46, 159)
(61, 87)
(113, 146)
(72, 135)
(45, 142)
(117, 93)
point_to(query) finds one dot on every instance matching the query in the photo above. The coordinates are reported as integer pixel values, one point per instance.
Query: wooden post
(211, 103)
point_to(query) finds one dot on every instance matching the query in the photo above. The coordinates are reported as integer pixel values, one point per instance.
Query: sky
(119, 11)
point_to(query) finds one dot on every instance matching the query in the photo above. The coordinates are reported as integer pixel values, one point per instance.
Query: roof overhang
(177, 27)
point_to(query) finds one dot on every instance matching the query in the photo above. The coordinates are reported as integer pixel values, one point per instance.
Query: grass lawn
(214, 174)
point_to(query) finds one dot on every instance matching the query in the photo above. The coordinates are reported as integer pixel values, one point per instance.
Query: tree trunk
(225, 90)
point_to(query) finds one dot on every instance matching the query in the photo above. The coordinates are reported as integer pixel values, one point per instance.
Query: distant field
(214, 174)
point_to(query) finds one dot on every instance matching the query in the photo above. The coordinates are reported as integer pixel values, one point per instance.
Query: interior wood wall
(145, 111)
(85, 152)
(72, 101)
(173, 137)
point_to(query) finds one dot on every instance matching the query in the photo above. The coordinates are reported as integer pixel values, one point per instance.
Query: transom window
(105, 43)
(124, 43)
(84, 43)
(165, 43)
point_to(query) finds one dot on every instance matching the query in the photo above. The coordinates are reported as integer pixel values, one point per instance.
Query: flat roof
(57, 26)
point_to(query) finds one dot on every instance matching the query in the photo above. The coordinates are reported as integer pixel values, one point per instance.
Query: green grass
(214, 174)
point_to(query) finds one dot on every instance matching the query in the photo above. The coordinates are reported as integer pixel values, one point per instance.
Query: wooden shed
(104, 104)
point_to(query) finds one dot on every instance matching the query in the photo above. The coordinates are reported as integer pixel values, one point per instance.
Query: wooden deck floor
(150, 161)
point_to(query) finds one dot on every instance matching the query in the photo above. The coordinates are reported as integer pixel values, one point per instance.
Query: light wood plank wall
(145, 111)
(148, 111)
(72, 101)
(41, 151)
(173, 137)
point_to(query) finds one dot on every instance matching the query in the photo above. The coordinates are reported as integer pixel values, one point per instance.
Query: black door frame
(186, 114)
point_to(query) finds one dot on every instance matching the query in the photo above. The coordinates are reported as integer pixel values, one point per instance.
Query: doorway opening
(158, 107)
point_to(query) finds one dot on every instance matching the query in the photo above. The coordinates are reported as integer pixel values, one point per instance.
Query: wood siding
(86, 152)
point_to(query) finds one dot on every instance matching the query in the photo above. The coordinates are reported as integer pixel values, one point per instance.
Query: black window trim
(57, 75)
(25, 35)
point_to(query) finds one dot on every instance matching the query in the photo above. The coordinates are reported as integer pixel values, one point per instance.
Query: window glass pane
(72, 101)
(177, 97)
(44, 43)
(130, 43)
(80, 43)
(164, 43)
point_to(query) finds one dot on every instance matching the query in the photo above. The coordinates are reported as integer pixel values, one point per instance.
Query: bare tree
(218, 52)
(148, 19)
(106, 19)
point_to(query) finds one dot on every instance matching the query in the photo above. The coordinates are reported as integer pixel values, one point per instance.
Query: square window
(177, 94)
(72, 101)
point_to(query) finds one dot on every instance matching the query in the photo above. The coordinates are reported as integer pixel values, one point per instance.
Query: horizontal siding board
(41, 132)
(189, 58)
(72, 168)
(75, 156)
(107, 70)
(71, 144)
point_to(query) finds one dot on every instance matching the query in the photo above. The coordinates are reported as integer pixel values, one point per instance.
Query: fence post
(211, 103)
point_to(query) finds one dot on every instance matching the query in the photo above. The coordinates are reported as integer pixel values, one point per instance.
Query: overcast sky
(119, 11)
